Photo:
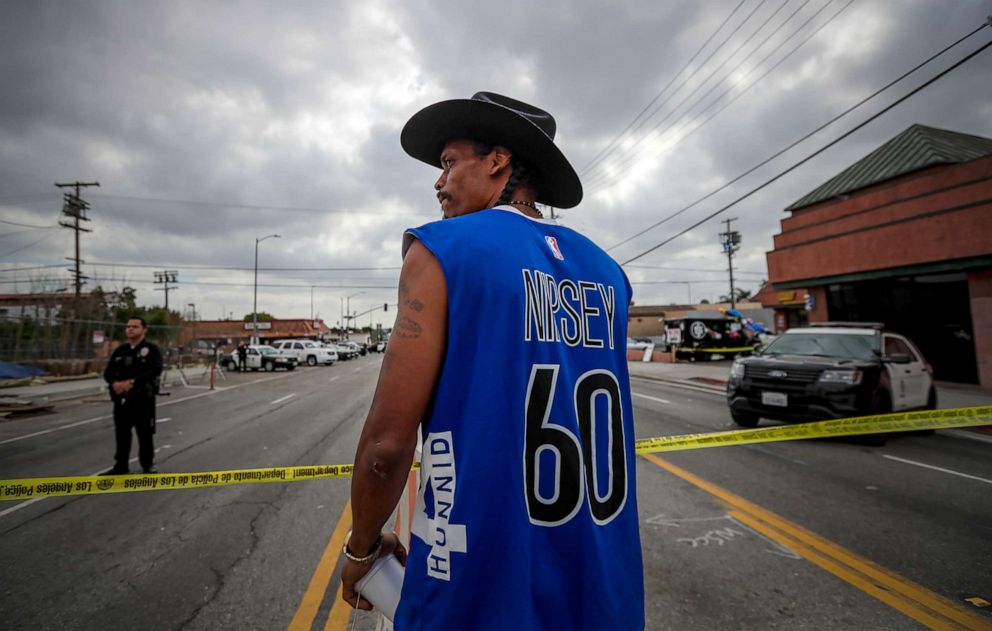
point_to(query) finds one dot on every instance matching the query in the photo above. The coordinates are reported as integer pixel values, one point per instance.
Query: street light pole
(254, 306)
(348, 312)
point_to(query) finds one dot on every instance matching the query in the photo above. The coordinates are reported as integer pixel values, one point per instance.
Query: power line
(687, 79)
(33, 243)
(679, 282)
(25, 225)
(619, 136)
(17, 232)
(188, 202)
(604, 179)
(217, 267)
(799, 140)
(28, 269)
(812, 155)
(216, 284)
(693, 269)
(247, 269)
(285, 286)
(671, 112)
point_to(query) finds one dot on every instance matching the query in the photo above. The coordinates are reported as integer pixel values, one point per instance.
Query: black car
(830, 371)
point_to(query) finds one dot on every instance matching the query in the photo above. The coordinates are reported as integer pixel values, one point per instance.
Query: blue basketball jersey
(527, 515)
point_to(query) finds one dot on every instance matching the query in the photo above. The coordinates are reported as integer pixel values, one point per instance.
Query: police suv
(260, 357)
(830, 370)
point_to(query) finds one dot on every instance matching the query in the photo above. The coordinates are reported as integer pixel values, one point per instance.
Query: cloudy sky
(210, 124)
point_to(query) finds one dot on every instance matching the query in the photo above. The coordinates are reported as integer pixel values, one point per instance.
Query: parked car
(345, 352)
(638, 344)
(261, 357)
(835, 370)
(359, 348)
(307, 351)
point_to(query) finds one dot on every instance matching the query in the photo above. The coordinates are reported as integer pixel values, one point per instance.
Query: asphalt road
(819, 534)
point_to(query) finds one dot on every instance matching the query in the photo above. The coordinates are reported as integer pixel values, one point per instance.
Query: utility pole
(75, 207)
(164, 278)
(731, 241)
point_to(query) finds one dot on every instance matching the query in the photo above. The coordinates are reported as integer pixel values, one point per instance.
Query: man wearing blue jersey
(509, 356)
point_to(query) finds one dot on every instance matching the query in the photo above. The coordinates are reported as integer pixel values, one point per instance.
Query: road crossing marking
(280, 400)
(335, 377)
(935, 468)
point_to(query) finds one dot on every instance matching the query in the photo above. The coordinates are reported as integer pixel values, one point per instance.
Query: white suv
(307, 351)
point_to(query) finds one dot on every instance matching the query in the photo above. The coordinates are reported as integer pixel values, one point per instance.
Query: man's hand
(122, 387)
(353, 572)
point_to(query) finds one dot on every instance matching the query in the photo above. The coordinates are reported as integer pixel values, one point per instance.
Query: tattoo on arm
(406, 301)
(407, 327)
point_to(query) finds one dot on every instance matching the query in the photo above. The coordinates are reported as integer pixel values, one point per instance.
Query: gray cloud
(300, 106)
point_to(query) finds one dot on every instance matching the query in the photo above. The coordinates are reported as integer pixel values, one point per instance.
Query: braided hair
(521, 174)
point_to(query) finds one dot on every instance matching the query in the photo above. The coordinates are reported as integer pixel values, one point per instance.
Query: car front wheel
(745, 419)
(269, 366)
(311, 361)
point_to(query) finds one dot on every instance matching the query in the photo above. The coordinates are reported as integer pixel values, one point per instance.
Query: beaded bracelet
(368, 558)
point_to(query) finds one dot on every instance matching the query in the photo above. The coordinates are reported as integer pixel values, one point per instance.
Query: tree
(262, 317)
(742, 295)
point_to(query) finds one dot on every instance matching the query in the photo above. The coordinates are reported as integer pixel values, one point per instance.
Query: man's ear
(499, 159)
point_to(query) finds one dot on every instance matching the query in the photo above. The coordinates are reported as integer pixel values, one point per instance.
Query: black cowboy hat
(492, 118)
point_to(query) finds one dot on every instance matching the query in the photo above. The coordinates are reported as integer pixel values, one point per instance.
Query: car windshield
(841, 345)
(268, 350)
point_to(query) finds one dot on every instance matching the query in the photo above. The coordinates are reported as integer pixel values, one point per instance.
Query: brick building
(904, 237)
(227, 333)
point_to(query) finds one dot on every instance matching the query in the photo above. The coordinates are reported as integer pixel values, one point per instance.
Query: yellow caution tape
(900, 422)
(94, 485)
(879, 424)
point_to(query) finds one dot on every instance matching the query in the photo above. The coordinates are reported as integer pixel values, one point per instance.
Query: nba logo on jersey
(553, 244)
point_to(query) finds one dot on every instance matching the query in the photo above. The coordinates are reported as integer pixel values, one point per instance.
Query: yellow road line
(916, 601)
(307, 611)
(892, 599)
(340, 613)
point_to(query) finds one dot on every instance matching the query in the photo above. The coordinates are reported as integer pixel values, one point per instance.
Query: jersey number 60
(576, 457)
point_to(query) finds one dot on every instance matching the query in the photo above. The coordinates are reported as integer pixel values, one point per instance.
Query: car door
(254, 359)
(917, 376)
(899, 374)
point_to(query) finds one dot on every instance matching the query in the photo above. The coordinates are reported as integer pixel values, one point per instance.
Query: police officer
(242, 357)
(132, 373)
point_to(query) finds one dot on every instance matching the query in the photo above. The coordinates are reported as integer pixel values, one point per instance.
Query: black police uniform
(142, 365)
(242, 358)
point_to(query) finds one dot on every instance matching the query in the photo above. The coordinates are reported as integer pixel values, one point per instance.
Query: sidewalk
(713, 376)
(42, 393)
(57, 390)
